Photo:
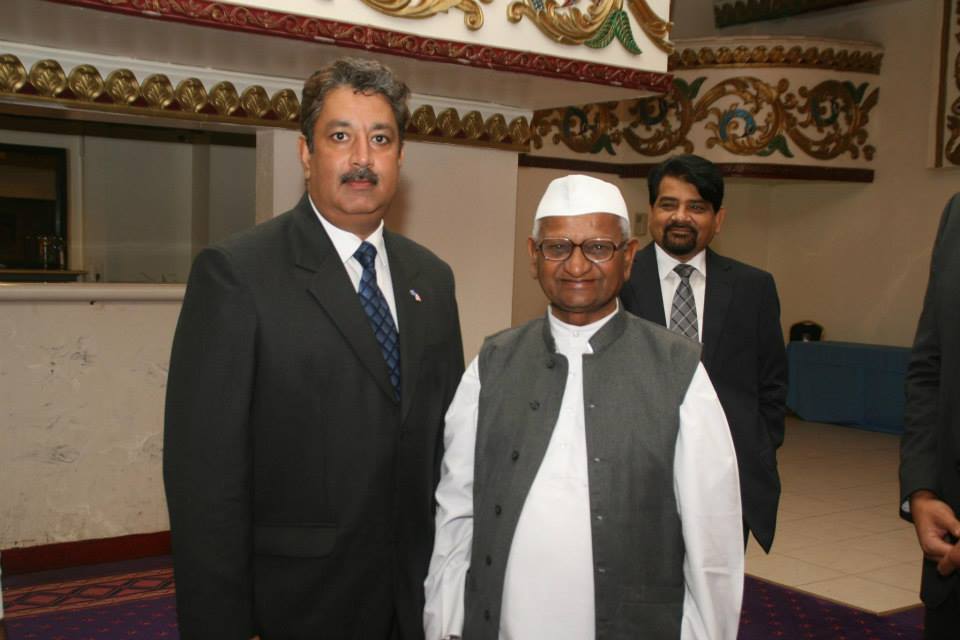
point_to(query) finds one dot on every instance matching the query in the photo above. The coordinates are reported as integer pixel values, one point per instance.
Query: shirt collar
(347, 243)
(666, 262)
(563, 331)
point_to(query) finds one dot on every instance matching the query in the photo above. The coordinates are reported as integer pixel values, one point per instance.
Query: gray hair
(363, 76)
(625, 231)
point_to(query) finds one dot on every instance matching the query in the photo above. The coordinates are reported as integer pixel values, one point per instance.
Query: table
(848, 383)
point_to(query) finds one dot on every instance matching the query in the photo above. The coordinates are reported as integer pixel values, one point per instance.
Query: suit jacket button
(514, 455)
(551, 363)
(486, 614)
(488, 560)
(497, 509)
(534, 405)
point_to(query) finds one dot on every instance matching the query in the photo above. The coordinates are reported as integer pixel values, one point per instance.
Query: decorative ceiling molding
(797, 56)
(472, 128)
(727, 13)
(225, 15)
(947, 135)
(603, 21)
(472, 18)
(85, 89)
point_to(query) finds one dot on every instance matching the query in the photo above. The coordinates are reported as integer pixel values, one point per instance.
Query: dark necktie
(378, 312)
(683, 313)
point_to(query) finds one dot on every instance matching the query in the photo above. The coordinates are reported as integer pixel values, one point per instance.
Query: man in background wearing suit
(732, 308)
(930, 446)
(313, 362)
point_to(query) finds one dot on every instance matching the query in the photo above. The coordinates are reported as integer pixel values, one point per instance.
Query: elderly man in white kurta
(589, 484)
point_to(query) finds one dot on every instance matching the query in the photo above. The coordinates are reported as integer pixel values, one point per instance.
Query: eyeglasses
(596, 251)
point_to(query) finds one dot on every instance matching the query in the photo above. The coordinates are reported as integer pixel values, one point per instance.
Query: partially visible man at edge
(314, 358)
(729, 306)
(589, 482)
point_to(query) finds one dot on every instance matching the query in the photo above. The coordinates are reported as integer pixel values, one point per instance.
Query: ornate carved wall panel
(947, 134)
(787, 103)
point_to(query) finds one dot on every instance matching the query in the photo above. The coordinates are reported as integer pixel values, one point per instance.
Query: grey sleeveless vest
(634, 383)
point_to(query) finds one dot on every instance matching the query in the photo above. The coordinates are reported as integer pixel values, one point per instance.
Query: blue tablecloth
(848, 383)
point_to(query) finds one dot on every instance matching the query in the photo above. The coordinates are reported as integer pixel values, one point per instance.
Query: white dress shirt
(548, 586)
(346, 244)
(670, 280)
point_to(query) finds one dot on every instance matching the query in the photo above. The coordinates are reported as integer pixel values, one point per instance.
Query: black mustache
(363, 174)
(677, 225)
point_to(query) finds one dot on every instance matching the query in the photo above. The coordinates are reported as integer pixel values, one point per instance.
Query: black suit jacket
(744, 355)
(930, 446)
(300, 492)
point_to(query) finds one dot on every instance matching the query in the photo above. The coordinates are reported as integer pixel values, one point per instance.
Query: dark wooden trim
(83, 552)
(122, 131)
(729, 169)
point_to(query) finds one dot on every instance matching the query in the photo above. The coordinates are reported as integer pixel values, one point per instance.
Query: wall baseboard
(83, 552)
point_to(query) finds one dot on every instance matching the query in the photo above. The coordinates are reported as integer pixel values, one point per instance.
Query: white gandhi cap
(577, 195)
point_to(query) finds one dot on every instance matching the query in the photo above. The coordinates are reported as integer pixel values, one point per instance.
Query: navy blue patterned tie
(378, 312)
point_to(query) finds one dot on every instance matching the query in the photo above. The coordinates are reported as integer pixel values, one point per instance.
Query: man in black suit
(732, 308)
(930, 446)
(313, 362)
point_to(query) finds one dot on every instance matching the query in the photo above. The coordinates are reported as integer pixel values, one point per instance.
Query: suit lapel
(645, 281)
(716, 303)
(409, 293)
(328, 282)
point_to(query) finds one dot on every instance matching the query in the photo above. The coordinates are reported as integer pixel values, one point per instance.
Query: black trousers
(943, 622)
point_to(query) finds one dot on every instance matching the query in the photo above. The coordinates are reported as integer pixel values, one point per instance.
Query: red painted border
(83, 552)
(224, 15)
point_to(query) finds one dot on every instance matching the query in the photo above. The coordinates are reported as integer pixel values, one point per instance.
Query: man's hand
(934, 520)
(950, 562)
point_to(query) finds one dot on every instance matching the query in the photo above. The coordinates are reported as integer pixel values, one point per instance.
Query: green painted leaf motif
(603, 143)
(856, 92)
(604, 35)
(777, 144)
(617, 26)
(624, 34)
(694, 88)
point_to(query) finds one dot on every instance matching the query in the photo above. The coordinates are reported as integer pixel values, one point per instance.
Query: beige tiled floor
(838, 533)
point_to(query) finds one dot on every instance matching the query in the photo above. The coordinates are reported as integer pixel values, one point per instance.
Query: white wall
(81, 390)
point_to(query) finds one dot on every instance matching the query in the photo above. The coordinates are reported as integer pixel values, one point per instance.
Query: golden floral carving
(745, 116)
(122, 86)
(418, 9)
(12, 74)
(157, 91)
(255, 102)
(85, 82)
(657, 29)
(776, 56)
(472, 127)
(286, 105)
(224, 98)
(48, 78)
(567, 25)
(192, 95)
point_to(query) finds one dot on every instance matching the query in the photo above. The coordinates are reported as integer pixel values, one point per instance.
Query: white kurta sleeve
(444, 586)
(707, 489)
